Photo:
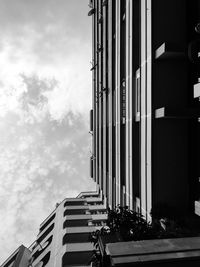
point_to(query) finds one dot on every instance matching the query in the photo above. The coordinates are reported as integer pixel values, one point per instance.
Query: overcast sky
(45, 97)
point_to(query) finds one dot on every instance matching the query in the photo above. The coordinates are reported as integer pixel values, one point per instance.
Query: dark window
(47, 222)
(73, 223)
(74, 212)
(93, 212)
(74, 203)
(123, 101)
(39, 240)
(137, 95)
(76, 238)
(45, 259)
(91, 167)
(41, 248)
(91, 120)
(77, 258)
(97, 223)
(95, 203)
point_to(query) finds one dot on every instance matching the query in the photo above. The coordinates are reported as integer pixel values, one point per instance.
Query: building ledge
(196, 90)
(150, 252)
(75, 247)
(197, 207)
(82, 229)
(168, 51)
(171, 113)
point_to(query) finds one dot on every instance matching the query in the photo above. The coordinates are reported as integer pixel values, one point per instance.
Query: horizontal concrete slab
(82, 207)
(82, 229)
(79, 217)
(157, 250)
(99, 217)
(75, 247)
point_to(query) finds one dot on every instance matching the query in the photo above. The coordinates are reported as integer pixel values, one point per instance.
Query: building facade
(64, 236)
(145, 113)
(145, 130)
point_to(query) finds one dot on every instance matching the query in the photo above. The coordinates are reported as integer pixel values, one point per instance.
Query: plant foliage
(132, 226)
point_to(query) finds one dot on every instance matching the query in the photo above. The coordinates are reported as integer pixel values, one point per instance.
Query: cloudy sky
(45, 51)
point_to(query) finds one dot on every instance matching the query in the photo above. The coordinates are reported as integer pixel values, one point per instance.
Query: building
(64, 236)
(64, 240)
(146, 112)
(145, 131)
(20, 257)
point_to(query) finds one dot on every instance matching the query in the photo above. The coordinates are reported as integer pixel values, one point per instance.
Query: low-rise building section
(64, 236)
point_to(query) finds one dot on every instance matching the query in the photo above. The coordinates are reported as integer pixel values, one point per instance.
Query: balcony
(164, 252)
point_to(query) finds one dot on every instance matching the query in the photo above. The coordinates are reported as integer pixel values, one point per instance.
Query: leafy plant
(130, 224)
(94, 236)
(96, 259)
(124, 224)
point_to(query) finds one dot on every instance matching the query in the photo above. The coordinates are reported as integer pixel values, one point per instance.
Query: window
(95, 203)
(123, 89)
(91, 120)
(96, 223)
(39, 240)
(76, 238)
(91, 167)
(75, 212)
(47, 222)
(93, 212)
(137, 95)
(74, 223)
(45, 260)
(74, 203)
(41, 248)
(77, 258)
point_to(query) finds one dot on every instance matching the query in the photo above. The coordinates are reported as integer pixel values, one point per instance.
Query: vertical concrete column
(149, 106)
(99, 52)
(110, 100)
(94, 62)
(96, 92)
(146, 107)
(118, 103)
(129, 84)
(104, 98)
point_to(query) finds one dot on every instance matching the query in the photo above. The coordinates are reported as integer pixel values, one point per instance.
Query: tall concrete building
(145, 131)
(146, 112)
(64, 236)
